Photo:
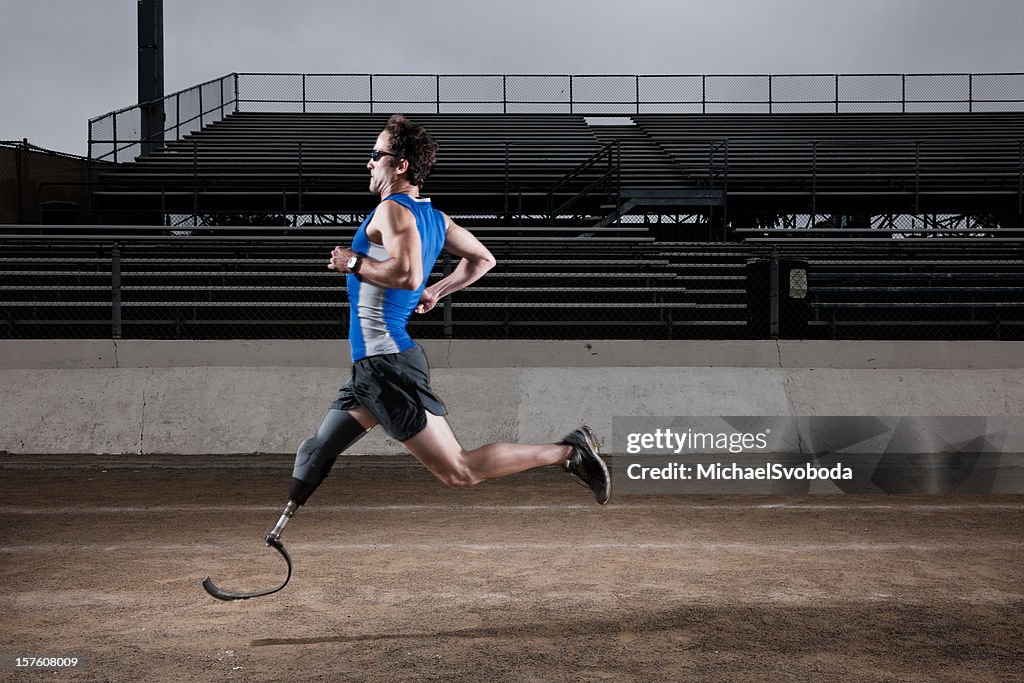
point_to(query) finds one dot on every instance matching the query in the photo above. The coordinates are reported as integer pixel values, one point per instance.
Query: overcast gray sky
(64, 61)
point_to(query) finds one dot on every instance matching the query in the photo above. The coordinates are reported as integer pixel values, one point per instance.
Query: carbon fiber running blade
(222, 594)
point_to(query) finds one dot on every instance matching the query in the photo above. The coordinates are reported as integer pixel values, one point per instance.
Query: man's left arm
(395, 227)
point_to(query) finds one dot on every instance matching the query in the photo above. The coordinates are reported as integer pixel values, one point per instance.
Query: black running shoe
(586, 466)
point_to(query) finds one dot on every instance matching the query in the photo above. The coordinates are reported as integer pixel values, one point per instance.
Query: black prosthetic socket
(316, 455)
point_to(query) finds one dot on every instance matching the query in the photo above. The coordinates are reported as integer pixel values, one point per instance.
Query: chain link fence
(871, 291)
(189, 288)
(194, 289)
(119, 136)
(624, 94)
(40, 186)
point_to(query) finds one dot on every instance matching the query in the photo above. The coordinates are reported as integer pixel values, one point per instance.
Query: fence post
(970, 92)
(508, 216)
(917, 177)
(638, 94)
(711, 165)
(437, 91)
(504, 93)
(725, 195)
(303, 93)
(773, 294)
(200, 106)
(88, 194)
(703, 94)
(115, 291)
(115, 136)
(18, 178)
(236, 93)
(570, 94)
(837, 93)
(618, 178)
(447, 269)
(814, 181)
(903, 93)
(195, 183)
(371, 93)
(769, 93)
(1020, 178)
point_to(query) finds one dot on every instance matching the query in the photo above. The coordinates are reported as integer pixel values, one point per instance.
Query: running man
(392, 255)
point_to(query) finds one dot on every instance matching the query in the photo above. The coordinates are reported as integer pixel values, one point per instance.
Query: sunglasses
(377, 154)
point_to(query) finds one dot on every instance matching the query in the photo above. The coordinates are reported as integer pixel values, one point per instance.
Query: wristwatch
(354, 263)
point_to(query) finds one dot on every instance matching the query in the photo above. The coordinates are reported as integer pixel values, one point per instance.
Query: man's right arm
(476, 261)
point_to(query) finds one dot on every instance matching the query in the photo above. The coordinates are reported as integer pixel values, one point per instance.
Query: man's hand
(339, 259)
(427, 301)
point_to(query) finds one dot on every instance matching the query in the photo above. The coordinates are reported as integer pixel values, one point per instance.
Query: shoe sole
(592, 442)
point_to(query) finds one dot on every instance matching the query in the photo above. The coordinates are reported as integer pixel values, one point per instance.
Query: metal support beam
(773, 294)
(115, 291)
(448, 330)
(18, 171)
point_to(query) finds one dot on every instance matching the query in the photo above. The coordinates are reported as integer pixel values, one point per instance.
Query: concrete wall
(155, 397)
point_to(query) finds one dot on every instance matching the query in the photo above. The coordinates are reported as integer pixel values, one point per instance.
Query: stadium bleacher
(976, 290)
(317, 163)
(863, 163)
(828, 163)
(568, 289)
(640, 225)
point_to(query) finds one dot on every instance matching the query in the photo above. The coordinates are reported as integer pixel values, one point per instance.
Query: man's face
(382, 171)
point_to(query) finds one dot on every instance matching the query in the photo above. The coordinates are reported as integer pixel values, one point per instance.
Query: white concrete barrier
(146, 397)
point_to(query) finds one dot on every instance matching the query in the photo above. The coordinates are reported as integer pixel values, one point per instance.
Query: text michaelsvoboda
(734, 471)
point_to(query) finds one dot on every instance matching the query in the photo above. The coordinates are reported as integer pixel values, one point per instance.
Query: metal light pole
(151, 73)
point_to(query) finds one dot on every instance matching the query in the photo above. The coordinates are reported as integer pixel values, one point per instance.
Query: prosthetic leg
(316, 455)
(313, 462)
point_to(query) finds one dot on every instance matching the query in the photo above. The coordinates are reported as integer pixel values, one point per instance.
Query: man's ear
(402, 166)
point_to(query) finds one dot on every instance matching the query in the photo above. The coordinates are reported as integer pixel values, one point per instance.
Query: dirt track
(525, 579)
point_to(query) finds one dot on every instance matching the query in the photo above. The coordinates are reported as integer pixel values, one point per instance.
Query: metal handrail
(121, 143)
(613, 153)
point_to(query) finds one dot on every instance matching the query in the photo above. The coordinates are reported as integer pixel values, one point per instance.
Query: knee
(311, 461)
(307, 448)
(460, 477)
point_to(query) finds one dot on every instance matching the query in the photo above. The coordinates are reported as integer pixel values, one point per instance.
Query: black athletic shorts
(395, 389)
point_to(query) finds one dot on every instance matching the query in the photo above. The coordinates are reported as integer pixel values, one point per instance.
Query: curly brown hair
(412, 142)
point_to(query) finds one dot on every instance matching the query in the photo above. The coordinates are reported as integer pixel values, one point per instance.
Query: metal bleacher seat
(198, 289)
(167, 288)
(937, 290)
(318, 161)
(867, 163)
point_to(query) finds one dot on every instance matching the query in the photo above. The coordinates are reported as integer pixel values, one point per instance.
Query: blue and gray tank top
(378, 315)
